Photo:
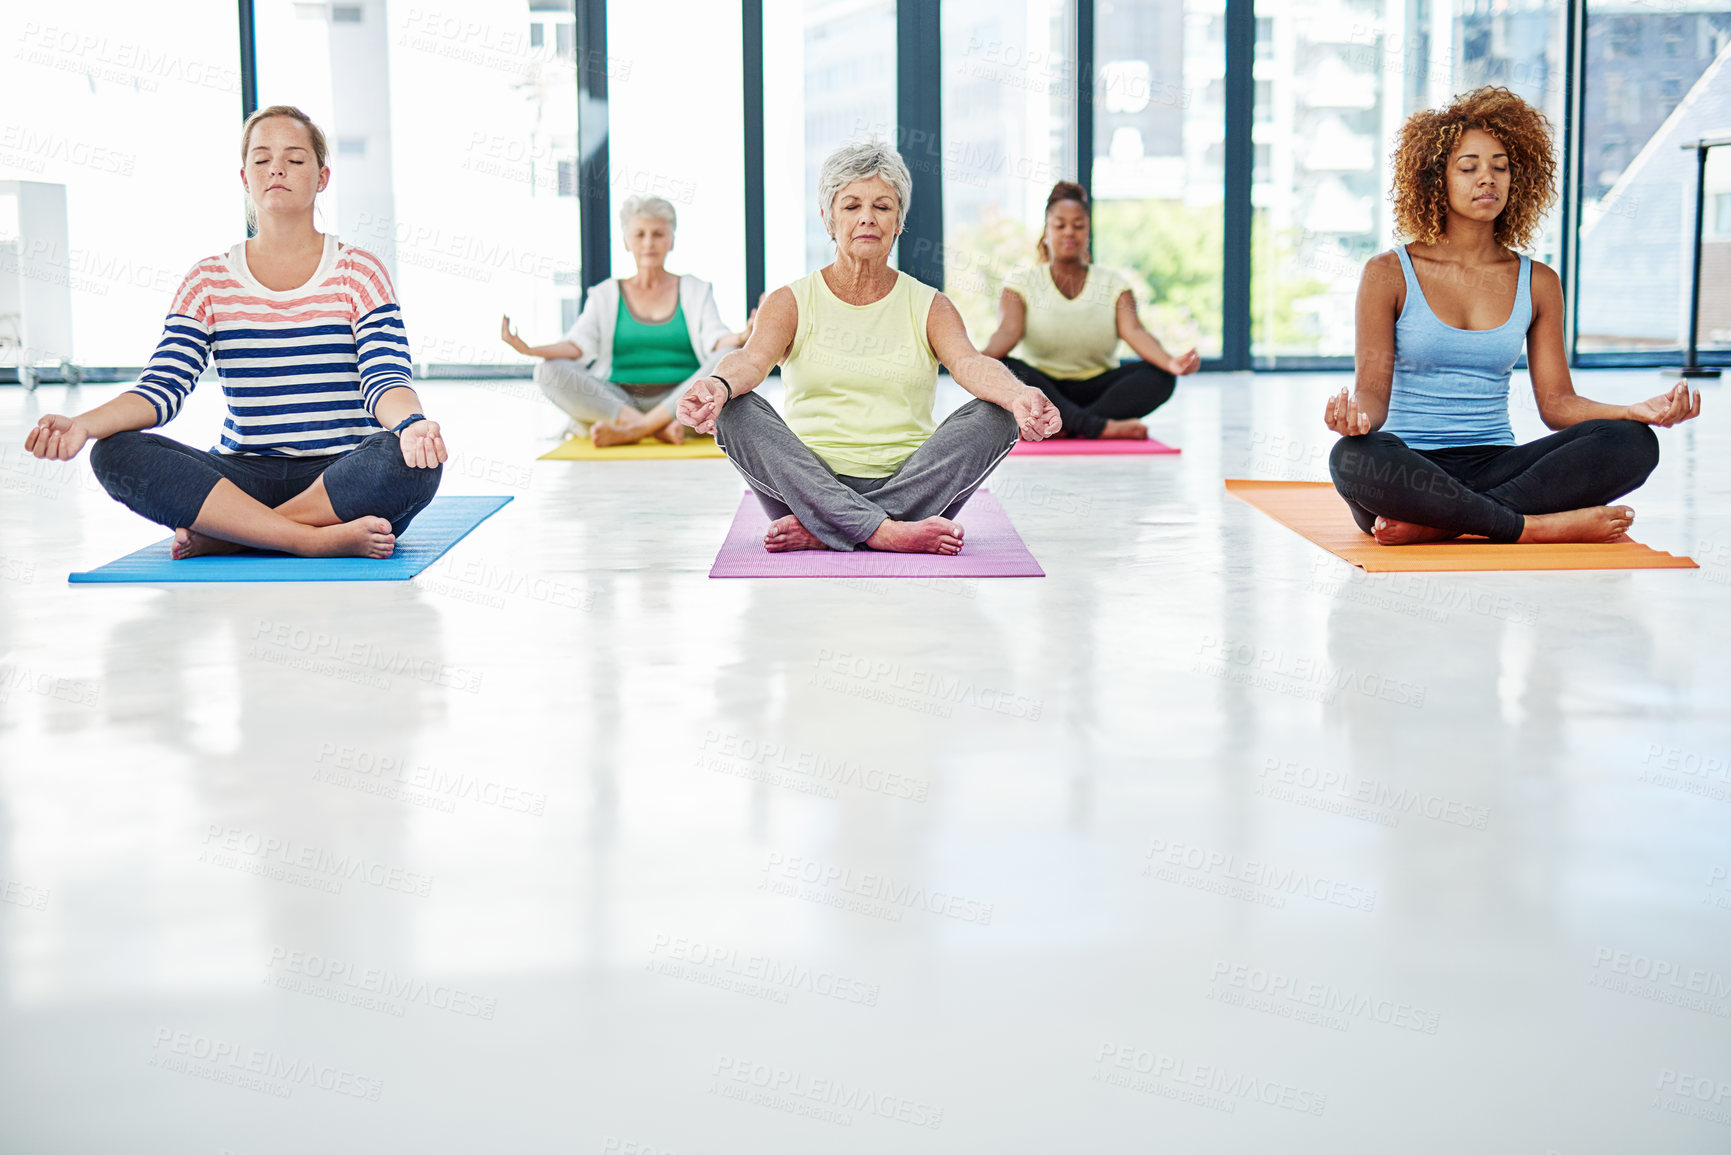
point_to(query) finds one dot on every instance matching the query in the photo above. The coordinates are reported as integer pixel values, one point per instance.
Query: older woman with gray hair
(859, 460)
(639, 343)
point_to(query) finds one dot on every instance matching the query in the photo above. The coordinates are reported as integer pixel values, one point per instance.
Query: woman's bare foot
(933, 535)
(673, 433)
(786, 534)
(362, 537)
(191, 543)
(1126, 429)
(607, 433)
(1388, 531)
(1595, 524)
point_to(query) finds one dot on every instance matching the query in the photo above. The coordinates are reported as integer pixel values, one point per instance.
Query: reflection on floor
(563, 847)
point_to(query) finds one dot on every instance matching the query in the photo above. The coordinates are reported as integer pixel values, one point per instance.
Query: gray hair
(657, 208)
(862, 160)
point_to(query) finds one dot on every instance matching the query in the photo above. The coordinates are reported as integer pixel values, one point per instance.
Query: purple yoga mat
(1079, 446)
(990, 548)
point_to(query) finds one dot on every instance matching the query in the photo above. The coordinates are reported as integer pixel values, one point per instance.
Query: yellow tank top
(1069, 339)
(861, 379)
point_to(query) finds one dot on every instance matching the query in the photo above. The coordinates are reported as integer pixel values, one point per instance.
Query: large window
(1334, 82)
(829, 77)
(1657, 78)
(119, 163)
(1159, 161)
(1009, 105)
(658, 146)
(453, 132)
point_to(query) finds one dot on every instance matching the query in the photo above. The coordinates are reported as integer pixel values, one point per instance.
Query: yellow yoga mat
(649, 449)
(1314, 510)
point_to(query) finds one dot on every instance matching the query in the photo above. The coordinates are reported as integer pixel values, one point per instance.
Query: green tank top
(861, 379)
(651, 354)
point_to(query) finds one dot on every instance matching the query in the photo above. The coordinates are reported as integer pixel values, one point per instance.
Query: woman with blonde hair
(325, 451)
(1427, 452)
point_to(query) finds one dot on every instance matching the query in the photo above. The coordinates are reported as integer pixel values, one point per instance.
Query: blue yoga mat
(445, 522)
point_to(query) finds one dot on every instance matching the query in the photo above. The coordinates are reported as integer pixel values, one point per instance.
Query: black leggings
(1133, 389)
(1487, 489)
(167, 482)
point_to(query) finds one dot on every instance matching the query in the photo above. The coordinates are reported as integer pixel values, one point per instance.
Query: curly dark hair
(1064, 190)
(1429, 138)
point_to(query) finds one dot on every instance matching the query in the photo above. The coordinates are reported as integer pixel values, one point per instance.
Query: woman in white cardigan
(639, 343)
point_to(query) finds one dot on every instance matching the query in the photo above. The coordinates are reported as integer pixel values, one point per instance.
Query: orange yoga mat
(1313, 509)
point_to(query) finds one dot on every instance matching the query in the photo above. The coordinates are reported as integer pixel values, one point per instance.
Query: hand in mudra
(1036, 417)
(1667, 409)
(702, 404)
(56, 437)
(422, 445)
(1343, 415)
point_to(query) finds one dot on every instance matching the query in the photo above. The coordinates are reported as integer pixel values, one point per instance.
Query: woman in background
(638, 344)
(1065, 317)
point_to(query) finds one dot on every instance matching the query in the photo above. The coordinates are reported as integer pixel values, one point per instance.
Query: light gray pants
(841, 511)
(587, 398)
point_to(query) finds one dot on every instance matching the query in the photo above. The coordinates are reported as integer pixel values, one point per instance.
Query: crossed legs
(353, 505)
(1553, 489)
(911, 511)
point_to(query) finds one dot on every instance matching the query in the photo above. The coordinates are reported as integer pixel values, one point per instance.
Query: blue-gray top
(1451, 386)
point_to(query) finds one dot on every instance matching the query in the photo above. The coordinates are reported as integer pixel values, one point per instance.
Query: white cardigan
(593, 332)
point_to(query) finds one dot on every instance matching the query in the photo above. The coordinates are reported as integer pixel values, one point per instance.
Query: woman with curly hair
(1426, 451)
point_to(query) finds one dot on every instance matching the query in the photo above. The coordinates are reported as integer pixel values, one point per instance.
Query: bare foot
(1596, 524)
(605, 433)
(191, 543)
(1388, 531)
(933, 535)
(1126, 429)
(362, 537)
(673, 433)
(786, 534)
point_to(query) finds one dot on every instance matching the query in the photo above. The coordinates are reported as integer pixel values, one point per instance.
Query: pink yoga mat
(990, 548)
(1077, 446)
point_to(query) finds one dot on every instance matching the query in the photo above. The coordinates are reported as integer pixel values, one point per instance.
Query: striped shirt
(303, 369)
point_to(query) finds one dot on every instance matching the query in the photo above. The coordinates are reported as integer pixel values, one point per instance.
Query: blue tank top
(1451, 386)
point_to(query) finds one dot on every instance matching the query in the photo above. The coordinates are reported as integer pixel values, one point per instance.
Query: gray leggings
(841, 511)
(587, 398)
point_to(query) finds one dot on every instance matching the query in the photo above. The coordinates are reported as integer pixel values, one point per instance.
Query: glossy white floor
(1205, 842)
